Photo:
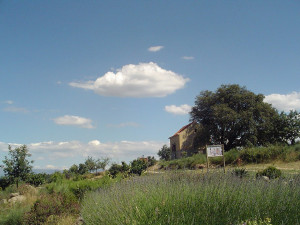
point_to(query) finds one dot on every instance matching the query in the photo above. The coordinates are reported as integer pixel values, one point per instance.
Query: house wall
(184, 141)
(175, 147)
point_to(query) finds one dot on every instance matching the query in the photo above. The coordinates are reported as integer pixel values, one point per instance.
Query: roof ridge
(182, 129)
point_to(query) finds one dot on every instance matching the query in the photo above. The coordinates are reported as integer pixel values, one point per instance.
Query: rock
(14, 194)
(265, 178)
(3, 201)
(19, 198)
(79, 221)
(200, 166)
(27, 189)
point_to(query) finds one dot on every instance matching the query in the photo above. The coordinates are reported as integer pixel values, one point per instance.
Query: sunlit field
(193, 198)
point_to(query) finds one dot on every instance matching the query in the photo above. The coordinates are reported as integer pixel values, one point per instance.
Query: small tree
(138, 166)
(17, 166)
(82, 169)
(74, 169)
(101, 163)
(90, 164)
(164, 153)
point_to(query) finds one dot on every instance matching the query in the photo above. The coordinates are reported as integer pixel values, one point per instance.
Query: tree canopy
(235, 116)
(164, 153)
(17, 166)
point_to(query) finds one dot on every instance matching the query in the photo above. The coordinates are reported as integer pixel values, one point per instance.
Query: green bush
(115, 169)
(240, 172)
(4, 182)
(14, 216)
(36, 179)
(271, 172)
(138, 166)
(48, 205)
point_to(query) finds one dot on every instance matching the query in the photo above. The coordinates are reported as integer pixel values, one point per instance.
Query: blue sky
(117, 78)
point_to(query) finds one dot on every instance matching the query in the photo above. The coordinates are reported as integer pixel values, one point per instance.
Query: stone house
(183, 141)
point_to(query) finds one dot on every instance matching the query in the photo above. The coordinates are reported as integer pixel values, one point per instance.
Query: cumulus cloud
(155, 48)
(64, 154)
(284, 102)
(188, 57)
(178, 110)
(75, 121)
(142, 80)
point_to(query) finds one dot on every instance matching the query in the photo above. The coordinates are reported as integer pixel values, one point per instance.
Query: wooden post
(207, 159)
(223, 157)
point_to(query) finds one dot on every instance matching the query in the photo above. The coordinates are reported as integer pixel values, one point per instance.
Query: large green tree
(164, 153)
(289, 126)
(17, 166)
(234, 116)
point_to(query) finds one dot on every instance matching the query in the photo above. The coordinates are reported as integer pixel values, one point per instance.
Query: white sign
(214, 150)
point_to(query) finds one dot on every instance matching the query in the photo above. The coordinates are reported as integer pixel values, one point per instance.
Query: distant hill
(47, 171)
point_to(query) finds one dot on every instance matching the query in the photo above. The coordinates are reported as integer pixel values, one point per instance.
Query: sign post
(214, 151)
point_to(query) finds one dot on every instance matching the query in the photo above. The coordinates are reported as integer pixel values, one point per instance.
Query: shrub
(4, 182)
(36, 179)
(115, 169)
(14, 216)
(271, 172)
(49, 205)
(240, 172)
(138, 166)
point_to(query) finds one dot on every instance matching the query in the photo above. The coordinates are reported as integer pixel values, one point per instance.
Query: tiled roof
(182, 129)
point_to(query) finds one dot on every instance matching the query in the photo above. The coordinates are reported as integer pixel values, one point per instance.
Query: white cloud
(284, 102)
(15, 109)
(10, 102)
(188, 57)
(74, 120)
(178, 110)
(57, 155)
(125, 124)
(155, 48)
(142, 80)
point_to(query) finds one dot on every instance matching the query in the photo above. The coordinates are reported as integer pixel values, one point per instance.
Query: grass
(192, 198)
(12, 214)
(252, 155)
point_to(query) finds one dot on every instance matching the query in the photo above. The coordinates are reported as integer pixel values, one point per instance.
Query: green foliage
(235, 117)
(184, 163)
(74, 169)
(240, 172)
(4, 182)
(82, 169)
(191, 198)
(90, 163)
(81, 187)
(17, 166)
(48, 205)
(151, 161)
(266, 221)
(289, 126)
(138, 166)
(36, 179)
(56, 177)
(271, 172)
(102, 163)
(164, 153)
(261, 154)
(13, 216)
(115, 169)
(235, 156)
